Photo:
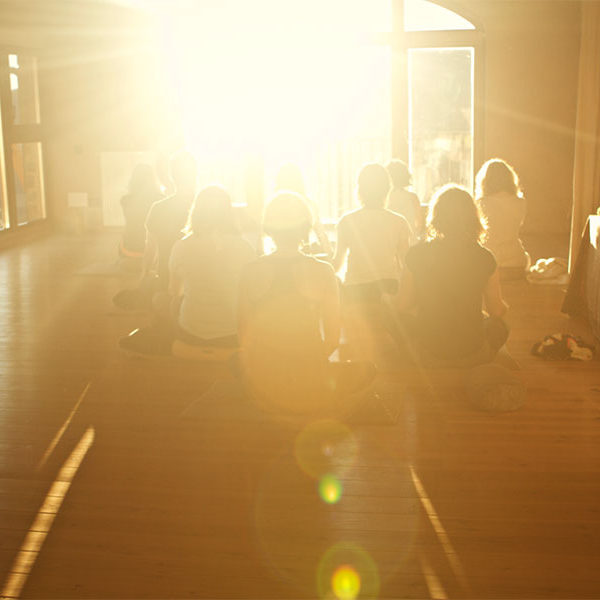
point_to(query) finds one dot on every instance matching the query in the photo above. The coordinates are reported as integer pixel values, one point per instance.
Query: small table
(583, 294)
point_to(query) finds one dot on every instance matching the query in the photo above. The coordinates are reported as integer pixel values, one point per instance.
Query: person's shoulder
(396, 218)
(350, 215)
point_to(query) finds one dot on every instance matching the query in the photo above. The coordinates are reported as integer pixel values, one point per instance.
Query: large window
(440, 117)
(22, 198)
(440, 135)
(328, 85)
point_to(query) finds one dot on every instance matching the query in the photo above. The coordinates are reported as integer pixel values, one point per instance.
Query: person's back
(165, 223)
(143, 192)
(209, 268)
(505, 213)
(167, 218)
(449, 278)
(503, 206)
(373, 237)
(283, 350)
(406, 203)
(289, 323)
(135, 211)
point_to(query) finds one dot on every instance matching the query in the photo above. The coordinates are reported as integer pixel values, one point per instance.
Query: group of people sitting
(279, 316)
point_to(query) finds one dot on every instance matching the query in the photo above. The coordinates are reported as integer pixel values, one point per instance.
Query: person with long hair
(205, 269)
(499, 195)
(290, 323)
(449, 278)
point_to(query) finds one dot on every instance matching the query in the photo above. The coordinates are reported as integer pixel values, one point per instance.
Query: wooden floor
(106, 492)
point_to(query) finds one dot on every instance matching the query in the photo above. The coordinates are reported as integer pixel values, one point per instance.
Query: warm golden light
(62, 430)
(325, 447)
(36, 536)
(330, 489)
(280, 81)
(345, 583)
(345, 571)
(439, 529)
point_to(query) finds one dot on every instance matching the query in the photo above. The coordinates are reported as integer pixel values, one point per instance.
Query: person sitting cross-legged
(447, 281)
(290, 324)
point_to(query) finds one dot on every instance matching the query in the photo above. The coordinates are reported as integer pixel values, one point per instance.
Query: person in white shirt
(372, 240)
(503, 206)
(205, 269)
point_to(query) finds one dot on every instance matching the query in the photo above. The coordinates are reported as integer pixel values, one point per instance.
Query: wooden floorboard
(106, 491)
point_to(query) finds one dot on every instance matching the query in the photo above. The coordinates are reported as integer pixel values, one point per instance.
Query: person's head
(212, 212)
(289, 177)
(373, 185)
(143, 181)
(496, 175)
(183, 172)
(453, 215)
(399, 173)
(287, 219)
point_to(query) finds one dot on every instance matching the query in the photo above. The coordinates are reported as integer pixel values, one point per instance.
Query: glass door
(440, 118)
(22, 190)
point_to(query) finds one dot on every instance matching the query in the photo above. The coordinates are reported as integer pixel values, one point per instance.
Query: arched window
(422, 15)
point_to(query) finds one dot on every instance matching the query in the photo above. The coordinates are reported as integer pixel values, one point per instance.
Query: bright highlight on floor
(330, 489)
(32, 545)
(346, 571)
(345, 583)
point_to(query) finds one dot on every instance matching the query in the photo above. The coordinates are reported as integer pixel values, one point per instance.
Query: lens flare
(345, 582)
(330, 489)
(345, 571)
(325, 447)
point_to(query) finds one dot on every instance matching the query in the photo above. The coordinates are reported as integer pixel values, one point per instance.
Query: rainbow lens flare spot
(324, 447)
(330, 489)
(345, 571)
(345, 582)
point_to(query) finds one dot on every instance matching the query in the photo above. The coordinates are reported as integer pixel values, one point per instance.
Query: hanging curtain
(586, 170)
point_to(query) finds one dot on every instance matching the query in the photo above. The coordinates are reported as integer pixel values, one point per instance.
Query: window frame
(401, 41)
(18, 134)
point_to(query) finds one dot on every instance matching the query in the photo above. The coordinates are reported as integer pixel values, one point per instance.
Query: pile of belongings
(563, 346)
(549, 271)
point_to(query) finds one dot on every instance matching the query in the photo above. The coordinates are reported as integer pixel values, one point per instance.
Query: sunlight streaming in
(440, 530)
(62, 430)
(36, 536)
